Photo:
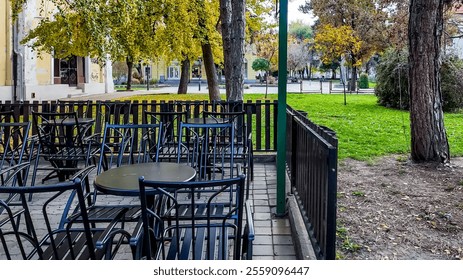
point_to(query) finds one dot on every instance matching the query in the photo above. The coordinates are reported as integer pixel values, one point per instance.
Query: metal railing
(311, 157)
(260, 116)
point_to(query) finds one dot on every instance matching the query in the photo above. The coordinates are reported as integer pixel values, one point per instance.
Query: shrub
(363, 81)
(452, 83)
(392, 81)
(271, 80)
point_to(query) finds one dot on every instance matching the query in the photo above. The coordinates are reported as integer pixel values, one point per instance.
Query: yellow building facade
(25, 76)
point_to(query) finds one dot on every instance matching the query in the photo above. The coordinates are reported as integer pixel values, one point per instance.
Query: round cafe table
(204, 121)
(124, 180)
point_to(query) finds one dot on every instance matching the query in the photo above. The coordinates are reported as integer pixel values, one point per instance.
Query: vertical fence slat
(313, 173)
(267, 125)
(258, 125)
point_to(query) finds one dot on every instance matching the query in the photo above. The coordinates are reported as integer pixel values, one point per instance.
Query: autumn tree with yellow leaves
(335, 43)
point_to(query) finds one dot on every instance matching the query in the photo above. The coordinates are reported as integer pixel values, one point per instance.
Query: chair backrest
(212, 224)
(7, 116)
(209, 148)
(81, 107)
(112, 112)
(128, 144)
(236, 118)
(12, 176)
(170, 121)
(36, 236)
(193, 109)
(17, 147)
(58, 132)
(14, 140)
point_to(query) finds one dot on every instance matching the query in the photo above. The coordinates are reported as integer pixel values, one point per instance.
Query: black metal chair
(16, 146)
(193, 109)
(243, 150)
(207, 147)
(192, 227)
(13, 176)
(37, 237)
(62, 144)
(169, 139)
(129, 144)
(111, 112)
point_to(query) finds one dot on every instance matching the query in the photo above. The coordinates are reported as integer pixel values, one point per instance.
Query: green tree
(262, 64)
(368, 19)
(335, 42)
(300, 31)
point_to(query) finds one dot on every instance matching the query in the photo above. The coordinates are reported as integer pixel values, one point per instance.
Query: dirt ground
(394, 209)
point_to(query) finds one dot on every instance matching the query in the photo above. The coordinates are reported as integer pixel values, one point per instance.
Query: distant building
(457, 46)
(24, 76)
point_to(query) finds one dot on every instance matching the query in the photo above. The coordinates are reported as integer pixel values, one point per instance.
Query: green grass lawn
(365, 129)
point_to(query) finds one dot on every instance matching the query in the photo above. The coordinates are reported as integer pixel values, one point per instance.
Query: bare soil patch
(395, 209)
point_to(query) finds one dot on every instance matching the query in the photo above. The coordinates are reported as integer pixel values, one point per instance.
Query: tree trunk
(266, 83)
(428, 136)
(353, 80)
(129, 73)
(211, 73)
(233, 32)
(184, 77)
(225, 19)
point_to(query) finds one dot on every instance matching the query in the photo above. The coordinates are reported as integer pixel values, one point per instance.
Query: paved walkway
(307, 87)
(273, 235)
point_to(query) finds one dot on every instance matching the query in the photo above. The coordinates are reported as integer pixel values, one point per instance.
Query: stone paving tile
(260, 202)
(260, 196)
(284, 250)
(263, 258)
(264, 223)
(292, 257)
(264, 231)
(261, 216)
(282, 239)
(262, 209)
(280, 222)
(263, 250)
(281, 230)
(263, 240)
(259, 191)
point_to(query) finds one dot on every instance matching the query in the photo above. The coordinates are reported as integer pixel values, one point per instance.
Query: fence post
(294, 143)
(331, 205)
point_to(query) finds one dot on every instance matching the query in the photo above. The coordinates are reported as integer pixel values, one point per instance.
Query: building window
(173, 72)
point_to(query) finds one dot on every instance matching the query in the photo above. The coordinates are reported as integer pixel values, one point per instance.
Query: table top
(204, 121)
(71, 121)
(124, 180)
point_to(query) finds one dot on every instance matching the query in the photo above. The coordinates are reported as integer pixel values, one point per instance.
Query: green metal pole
(282, 80)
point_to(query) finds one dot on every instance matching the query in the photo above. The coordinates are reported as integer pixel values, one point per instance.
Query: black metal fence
(311, 152)
(311, 157)
(260, 116)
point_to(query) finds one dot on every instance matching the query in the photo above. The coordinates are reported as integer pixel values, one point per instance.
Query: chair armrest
(9, 174)
(107, 237)
(249, 233)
